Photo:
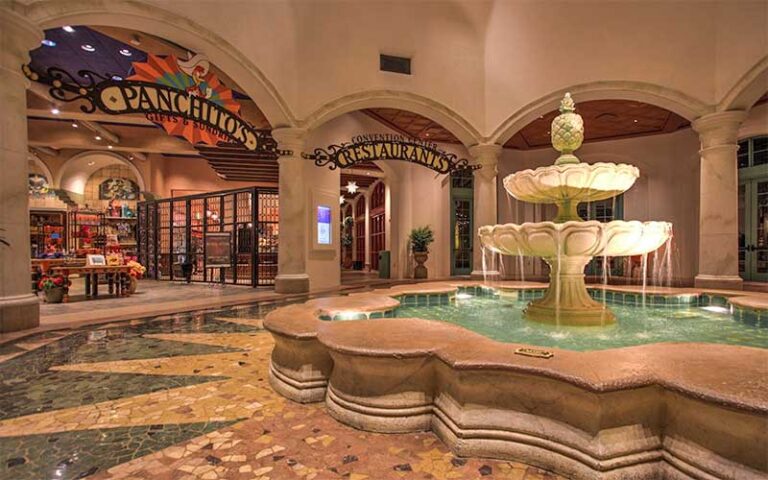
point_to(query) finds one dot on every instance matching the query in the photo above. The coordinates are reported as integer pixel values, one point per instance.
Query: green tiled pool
(501, 318)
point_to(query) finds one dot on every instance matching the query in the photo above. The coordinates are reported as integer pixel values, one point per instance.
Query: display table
(118, 279)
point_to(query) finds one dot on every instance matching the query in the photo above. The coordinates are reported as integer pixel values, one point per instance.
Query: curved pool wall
(664, 410)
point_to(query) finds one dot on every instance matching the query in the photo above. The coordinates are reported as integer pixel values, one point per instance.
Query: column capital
(290, 138)
(719, 128)
(17, 36)
(485, 153)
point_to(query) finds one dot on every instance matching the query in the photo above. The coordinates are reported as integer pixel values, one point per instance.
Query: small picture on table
(95, 260)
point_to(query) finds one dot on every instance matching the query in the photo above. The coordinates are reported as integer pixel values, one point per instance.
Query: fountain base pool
(662, 410)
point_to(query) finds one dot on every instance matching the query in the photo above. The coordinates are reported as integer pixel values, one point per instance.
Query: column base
(20, 312)
(730, 282)
(490, 274)
(292, 283)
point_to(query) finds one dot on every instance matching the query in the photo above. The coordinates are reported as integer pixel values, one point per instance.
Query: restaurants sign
(371, 147)
(195, 106)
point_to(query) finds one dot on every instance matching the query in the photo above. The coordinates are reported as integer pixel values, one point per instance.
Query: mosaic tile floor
(186, 397)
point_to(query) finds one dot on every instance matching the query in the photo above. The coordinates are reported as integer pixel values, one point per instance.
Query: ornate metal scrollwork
(388, 147)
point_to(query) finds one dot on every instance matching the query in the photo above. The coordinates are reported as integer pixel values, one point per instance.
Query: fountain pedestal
(567, 300)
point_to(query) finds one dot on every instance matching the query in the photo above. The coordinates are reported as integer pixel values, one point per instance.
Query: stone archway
(156, 21)
(684, 105)
(748, 90)
(75, 171)
(463, 130)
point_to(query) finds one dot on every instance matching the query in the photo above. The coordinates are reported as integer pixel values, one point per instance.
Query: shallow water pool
(501, 318)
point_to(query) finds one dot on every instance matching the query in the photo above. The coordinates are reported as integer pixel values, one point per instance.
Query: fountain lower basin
(585, 415)
(567, 248)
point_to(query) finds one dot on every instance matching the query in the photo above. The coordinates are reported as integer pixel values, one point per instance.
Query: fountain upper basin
(580, 182)
(576, 238)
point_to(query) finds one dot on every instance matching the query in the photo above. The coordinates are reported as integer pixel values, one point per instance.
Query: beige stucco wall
(668, 189)
(484, 61)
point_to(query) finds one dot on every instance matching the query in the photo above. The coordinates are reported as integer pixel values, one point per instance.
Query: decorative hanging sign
(184, 97)
(382, 146)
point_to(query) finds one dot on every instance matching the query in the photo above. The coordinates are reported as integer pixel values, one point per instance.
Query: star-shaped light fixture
(341, 199)
(352, 187)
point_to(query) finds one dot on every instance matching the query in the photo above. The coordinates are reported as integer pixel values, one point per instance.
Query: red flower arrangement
(52, 281)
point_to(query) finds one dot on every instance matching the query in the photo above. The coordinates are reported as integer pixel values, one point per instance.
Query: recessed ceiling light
(68, 29)
(97, 137)
(109, 147)
(88, 47)
(635, 121)
(48, 43)
(130, 157)
(55, 111)
(117, 78)
(74, 125)
(90, 164)
(125, 52)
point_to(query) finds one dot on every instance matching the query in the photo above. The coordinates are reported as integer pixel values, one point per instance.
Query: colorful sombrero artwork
(193, 76)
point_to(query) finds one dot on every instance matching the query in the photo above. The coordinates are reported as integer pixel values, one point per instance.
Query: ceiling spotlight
(88, 47)
(352, 187)
(68, 29)
(97, 137)
(55, 111)
(90, 164)
(125, 52)
(109, 147)
(634, 121)
(48, 43)
(74, 125)
(130, 157)
(341, 199)
(117, 78)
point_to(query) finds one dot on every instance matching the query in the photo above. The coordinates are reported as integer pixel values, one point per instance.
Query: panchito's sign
(383, 146)
(184, 97)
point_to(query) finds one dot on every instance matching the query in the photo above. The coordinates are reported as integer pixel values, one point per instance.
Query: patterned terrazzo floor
(186, 397)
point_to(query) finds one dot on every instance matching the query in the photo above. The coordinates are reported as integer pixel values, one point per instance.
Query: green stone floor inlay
(81, 453)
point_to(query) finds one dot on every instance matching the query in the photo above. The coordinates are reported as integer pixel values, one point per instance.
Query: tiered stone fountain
(568, 243)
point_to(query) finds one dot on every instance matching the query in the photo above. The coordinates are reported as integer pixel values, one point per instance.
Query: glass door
(752, 161)
(461, 236)
(462, 228)
(753, 230)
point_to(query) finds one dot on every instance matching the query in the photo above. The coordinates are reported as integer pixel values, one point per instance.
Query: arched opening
(658, 141)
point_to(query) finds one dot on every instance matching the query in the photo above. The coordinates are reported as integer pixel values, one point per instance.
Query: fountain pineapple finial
(567, 131)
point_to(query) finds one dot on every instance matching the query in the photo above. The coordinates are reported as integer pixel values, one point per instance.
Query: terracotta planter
(54, 295)
(133, 285)
(420, 271)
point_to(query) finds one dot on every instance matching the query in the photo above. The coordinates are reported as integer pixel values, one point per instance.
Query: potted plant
(420, 238)
(137, 271)
(53, 287)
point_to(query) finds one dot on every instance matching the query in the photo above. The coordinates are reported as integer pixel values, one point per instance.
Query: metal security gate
(171, 233)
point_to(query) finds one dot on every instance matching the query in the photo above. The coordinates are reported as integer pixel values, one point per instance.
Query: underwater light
(463, 296)
(48, 43)
(716, 309)
(350, 315)
(68, 29)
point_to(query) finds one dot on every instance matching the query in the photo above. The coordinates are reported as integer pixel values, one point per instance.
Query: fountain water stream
(568, 243)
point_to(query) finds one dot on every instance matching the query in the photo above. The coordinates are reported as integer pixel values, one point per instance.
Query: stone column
(292, 254)
(484, 199)
(19, 308)
(718, 200)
